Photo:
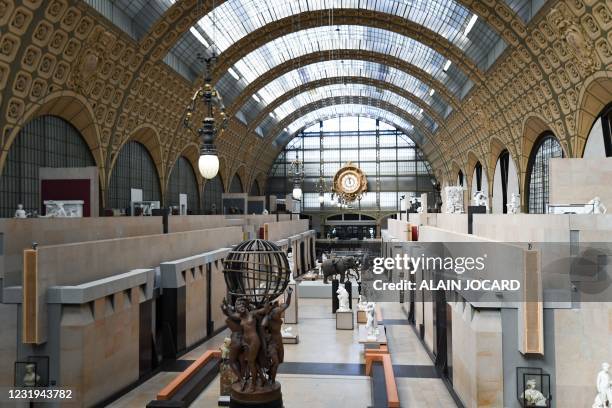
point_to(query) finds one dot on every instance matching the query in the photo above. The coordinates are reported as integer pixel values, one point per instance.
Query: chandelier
(321, 187)
(296, 170)
(213, 107)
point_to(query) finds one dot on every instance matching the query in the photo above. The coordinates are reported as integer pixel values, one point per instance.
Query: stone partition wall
(582, 344)
(74, 264)
(96, 349)
(18, 234)
(192, 289)
(577, 181)
(283, 229)
(477, 356)
(195, 222)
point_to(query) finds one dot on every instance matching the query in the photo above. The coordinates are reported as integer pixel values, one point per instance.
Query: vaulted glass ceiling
(341, 90)
(346, 110)
(232, 20)
(349, 37)
(338, 69)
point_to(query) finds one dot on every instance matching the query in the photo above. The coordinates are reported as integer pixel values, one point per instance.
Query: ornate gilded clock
(350, 183)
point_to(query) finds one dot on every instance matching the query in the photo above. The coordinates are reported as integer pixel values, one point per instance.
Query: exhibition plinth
(268, 396)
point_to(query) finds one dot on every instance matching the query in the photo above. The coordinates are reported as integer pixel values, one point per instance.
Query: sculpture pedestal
(269, 396)
(335, 302)
(362, 317)
(344, 320)
(381, 338)
(291, 314)
(292, 337)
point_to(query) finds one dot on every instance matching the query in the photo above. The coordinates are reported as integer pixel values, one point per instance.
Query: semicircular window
(46, 141)
(134, 170)
(538, 170)
(183, 182)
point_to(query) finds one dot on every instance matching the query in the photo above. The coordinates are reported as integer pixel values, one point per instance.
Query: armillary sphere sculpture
(256, 274)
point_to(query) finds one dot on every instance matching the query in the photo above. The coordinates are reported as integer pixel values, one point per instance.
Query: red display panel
(63, 189)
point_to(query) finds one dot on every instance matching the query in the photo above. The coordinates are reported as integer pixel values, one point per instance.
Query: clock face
(349, 183)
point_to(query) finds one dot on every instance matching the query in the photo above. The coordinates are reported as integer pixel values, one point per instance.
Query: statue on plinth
(480, 199)
(227, 375)
(454, 199)
(20, 212)
(372, 322)
(30, 378)
(256, 273)
(595, 206)
(343, 299)
(514, 206)
(603, 398)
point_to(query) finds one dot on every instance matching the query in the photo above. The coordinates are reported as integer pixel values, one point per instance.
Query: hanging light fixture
(208, 163)
(297, 172)
(214, 121)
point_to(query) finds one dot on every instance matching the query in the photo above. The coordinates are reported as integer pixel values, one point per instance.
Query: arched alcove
(183, 181)
(45, 141)
(236, 184)
(134, 169)
(505, 182)
(211, 200)
(537, 179)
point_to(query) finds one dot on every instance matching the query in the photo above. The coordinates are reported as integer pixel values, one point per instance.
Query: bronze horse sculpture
(339, 266)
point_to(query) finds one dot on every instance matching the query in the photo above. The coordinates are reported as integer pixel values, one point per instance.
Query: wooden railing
(169, 390)
(382, 356)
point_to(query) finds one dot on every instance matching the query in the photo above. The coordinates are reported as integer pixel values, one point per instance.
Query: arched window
(478, 173)
(46, 141)
(599, 141)
(211, 203)
(255, 191)
(504, 163)
(460, 178)
(134, 169)
(183, 181)
(546, 147)
(236, 185)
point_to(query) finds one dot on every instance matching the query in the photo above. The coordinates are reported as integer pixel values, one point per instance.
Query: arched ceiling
(349, 90)
(311, 89)
(416, 59)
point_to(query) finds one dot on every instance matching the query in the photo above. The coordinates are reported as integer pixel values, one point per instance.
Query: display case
(144, 207)
(533, 387)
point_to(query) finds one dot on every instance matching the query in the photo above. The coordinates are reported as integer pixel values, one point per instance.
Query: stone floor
(326, 368)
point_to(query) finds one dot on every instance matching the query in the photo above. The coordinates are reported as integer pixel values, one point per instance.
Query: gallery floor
(326, 368)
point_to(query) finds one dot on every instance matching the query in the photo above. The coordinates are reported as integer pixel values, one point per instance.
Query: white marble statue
(265, 211)
(603, 398)
(514, 206)
(479, 199)
(532, 396)
(454, 199)
(30, 378)
(343, 300)
(291, 267)
(420, 210)
(20, 212)
(595, 206)
(372, 323)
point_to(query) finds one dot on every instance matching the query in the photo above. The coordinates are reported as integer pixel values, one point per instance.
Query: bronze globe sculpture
(256, 274)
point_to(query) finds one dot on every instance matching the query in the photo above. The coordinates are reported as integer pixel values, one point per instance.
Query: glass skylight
(349, 68)
(350, 37)
(344, 110)
(235, 19)
(341, 90)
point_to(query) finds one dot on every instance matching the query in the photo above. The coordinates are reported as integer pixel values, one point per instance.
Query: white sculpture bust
(604, 387)
(30, 378)
(532, 396)
(479, 199)
(343, 299)
(595, 206)
(514, 206)
(20, 212)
